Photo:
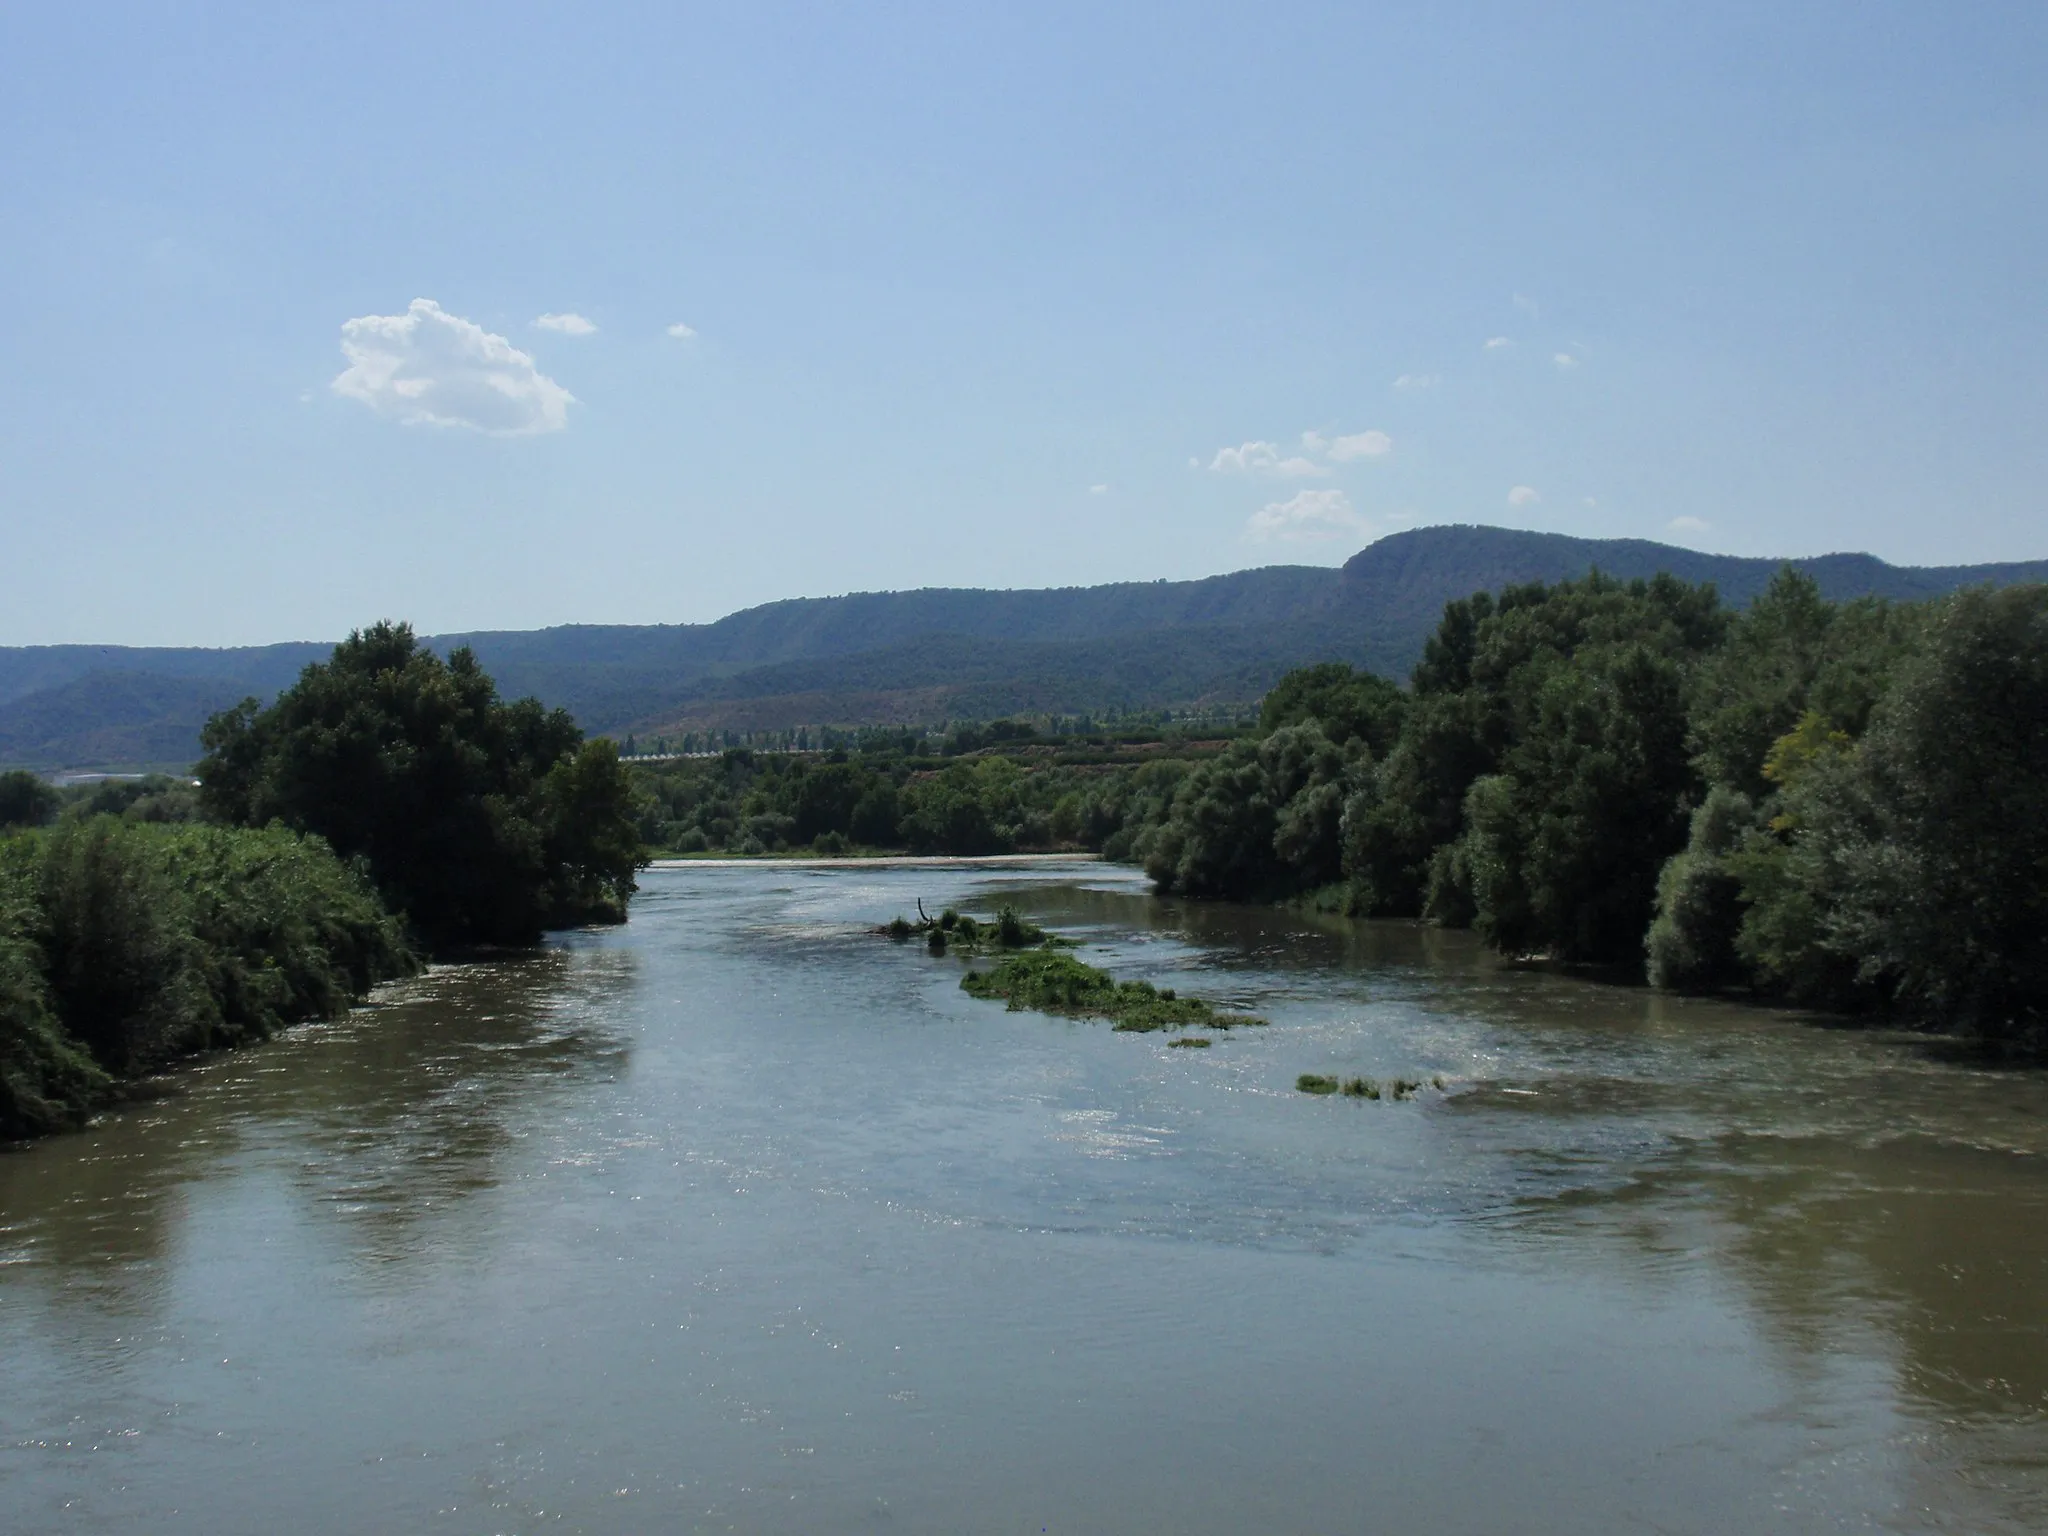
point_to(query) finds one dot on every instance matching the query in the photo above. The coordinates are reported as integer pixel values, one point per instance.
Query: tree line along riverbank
(386, 809)
(1841, 805)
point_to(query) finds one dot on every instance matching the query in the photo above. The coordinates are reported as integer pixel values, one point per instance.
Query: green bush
(47, 1081)
(126, 944)
(160, 941)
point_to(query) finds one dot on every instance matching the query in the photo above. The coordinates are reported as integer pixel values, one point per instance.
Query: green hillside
(922, 656)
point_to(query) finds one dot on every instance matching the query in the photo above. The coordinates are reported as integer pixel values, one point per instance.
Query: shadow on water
(387, 1119)
(420, 1108)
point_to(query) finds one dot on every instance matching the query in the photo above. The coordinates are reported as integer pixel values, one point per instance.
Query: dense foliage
(125, 944)
(26, 800)
(482, 822)
(1841, 804)
(887, 796)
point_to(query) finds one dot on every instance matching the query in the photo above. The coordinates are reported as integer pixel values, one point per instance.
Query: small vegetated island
(1036, 973)
(386, 809)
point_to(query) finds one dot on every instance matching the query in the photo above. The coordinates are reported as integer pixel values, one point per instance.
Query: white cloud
(1690, 525)
(1565, 361)
(569, 324)
(1361, 445)
(681, 332)
(1415, 381)
(1522, 496)
(1314, 441)
(1591, 502)
(1526, 305)
(427, 367)
(1495, 343)
(1098, 490)
(1306, 516)
(1264, 459)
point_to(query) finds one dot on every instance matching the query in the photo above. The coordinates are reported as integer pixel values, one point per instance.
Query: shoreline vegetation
(1841, 806)
(387, 809)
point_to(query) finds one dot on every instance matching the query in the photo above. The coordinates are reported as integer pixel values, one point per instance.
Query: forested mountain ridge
(923, 655)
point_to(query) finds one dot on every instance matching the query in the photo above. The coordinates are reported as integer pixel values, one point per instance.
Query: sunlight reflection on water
(741, 1218)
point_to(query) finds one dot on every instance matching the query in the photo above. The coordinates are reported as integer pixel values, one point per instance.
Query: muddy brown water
(739, 1219)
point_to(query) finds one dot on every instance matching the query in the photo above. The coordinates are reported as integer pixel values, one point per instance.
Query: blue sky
(1011, 296)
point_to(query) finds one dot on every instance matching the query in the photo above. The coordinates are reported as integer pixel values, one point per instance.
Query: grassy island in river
(1051, 982)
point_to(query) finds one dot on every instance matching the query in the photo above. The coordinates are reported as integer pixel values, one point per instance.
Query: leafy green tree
(1400, 816)
(1541, 717)
(26, 800)
(1263, 819)
(1348, 705)
(877, 815)
(483, 822)
(1564, 845)
(1691, 942)
(1789, 653)
(825, 799)
(47, 1080)
(1920, 855)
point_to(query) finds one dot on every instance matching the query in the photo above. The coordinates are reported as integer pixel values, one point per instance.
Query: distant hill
(926, 655)
(129, 719)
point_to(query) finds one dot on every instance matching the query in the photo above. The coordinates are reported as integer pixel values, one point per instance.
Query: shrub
(160, 941)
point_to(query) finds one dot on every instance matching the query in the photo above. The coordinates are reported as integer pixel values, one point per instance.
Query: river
(739, 1218)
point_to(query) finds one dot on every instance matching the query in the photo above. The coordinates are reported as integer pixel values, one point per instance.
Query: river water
(740, 1218)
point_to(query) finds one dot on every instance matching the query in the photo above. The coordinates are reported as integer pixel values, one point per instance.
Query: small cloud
(427, 367)
(1305, 517)
(1412, 382)
(1098, 490)
(1526, 305)
(1263, 459)
(1565, 361)
(569, 324)
(1591, 502)
(1495, 343)
(1689, 525)
(1523, 496)
(1361, 445)
(681, 332)
(1314, 441)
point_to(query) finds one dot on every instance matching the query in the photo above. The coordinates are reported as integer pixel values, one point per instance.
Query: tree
(1790, 652)
(1565, 843)
(1348, 705)
(1541, 776)
(483, 822)
(26, 800)
(1262, 819)
(1920, 854)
